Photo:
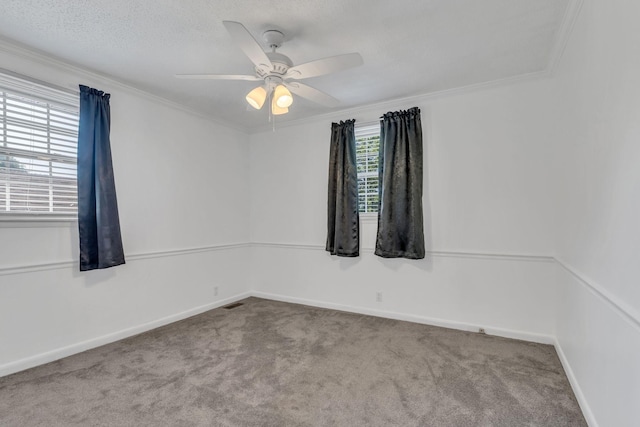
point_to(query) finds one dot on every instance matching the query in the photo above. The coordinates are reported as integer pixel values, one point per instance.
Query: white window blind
(367, 147)
(38, 148)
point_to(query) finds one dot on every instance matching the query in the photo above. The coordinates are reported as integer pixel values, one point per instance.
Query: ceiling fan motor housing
(280, 65)
(273, 38)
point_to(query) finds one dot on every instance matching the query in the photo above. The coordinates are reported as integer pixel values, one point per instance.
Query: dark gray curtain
(400, 227)
(343, 225)
(98, 221)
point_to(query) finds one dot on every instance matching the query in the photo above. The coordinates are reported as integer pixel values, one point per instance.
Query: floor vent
(234, 305)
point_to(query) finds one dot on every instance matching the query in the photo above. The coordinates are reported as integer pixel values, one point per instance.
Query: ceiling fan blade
(312, 94)
(324, 66)
(245, 41)
(219, 77)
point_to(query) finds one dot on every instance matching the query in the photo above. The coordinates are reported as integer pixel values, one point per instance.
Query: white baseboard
(59, 353)
(577, 391)
(500, 332)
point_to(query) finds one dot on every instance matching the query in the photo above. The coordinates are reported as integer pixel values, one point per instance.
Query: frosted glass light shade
(276, 110)
(256, 97)
(283, 97)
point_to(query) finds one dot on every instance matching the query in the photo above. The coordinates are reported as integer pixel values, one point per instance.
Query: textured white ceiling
(410, 47)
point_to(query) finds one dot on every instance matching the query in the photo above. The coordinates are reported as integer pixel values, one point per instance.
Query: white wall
(182, 184)
(488, 217)
(597, 101)
(514, 176)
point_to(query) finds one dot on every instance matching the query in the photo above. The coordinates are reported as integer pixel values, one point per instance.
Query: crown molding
(395, 103)
(562, 36)
(43, 58)
(557, 51)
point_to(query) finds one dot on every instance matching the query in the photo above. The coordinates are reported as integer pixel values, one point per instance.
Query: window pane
(367, 147)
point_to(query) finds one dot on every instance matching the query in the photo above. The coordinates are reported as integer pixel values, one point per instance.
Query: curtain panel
(343, 221)
(98, 220)
(400, 221)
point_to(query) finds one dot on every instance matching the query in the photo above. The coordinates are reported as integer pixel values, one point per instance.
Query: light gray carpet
(268, 363)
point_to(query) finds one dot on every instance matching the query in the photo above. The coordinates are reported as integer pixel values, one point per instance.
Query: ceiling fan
(277, 71)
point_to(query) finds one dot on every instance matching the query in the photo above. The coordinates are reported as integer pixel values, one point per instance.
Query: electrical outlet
(379, 296)
(215, 291)
(481, 331)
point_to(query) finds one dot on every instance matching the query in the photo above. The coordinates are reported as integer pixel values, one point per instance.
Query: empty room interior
(230, 305)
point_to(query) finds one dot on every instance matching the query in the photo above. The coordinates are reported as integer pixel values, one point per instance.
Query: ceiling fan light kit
(282, 96)
(277, 71)
(256, 97)
(276, 110)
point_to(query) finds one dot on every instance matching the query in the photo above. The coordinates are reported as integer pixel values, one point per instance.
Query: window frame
(64, 100)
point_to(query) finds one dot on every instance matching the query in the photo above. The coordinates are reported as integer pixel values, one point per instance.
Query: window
(38, 148)
(367, 146)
